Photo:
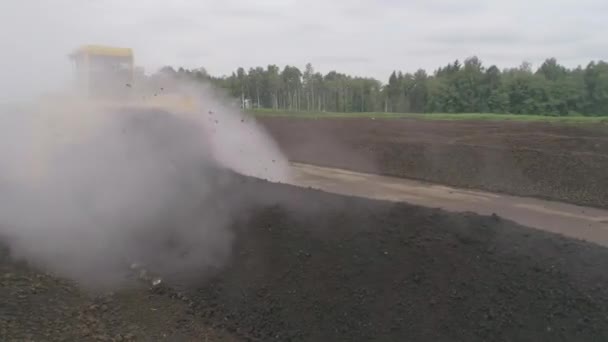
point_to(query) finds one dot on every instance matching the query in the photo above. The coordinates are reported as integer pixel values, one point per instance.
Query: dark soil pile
(35, 306)
(331, 268)
(560, 162)
(321, 267)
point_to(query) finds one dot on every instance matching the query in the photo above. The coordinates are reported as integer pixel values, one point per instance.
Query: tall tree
(309, 85)
(273, 85)
(552, 89)
(551, 70)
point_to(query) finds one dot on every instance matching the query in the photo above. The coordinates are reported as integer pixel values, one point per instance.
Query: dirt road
(590, 224)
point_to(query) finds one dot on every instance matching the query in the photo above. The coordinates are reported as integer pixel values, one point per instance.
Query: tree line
(458, 87)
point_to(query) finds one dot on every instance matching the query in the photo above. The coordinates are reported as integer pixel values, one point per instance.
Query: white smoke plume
(88, 188)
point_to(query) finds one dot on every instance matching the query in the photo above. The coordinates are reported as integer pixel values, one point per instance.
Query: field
(312, 266)
(436, 116)
(555, 161)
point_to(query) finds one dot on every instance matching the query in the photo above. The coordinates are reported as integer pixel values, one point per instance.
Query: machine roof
(103, 51)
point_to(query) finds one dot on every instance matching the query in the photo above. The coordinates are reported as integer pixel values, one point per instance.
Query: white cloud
(363, 37)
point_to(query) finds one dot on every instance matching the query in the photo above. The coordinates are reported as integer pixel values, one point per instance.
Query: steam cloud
(87, 189)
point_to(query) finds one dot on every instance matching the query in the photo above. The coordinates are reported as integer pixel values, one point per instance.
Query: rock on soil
(310, 266)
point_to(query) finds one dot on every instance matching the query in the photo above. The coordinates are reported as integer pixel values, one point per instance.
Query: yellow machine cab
(103, 71)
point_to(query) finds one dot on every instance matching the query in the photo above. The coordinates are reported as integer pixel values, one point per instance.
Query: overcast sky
(361, 37)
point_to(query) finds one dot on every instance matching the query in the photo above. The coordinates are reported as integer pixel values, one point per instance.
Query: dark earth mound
(38, 307)
(344, 269)
(311, 266)
(559, 162)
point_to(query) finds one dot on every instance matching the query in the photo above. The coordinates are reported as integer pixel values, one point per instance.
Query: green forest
(458, 87)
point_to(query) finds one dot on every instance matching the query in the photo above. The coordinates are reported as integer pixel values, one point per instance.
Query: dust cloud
(88, 189)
